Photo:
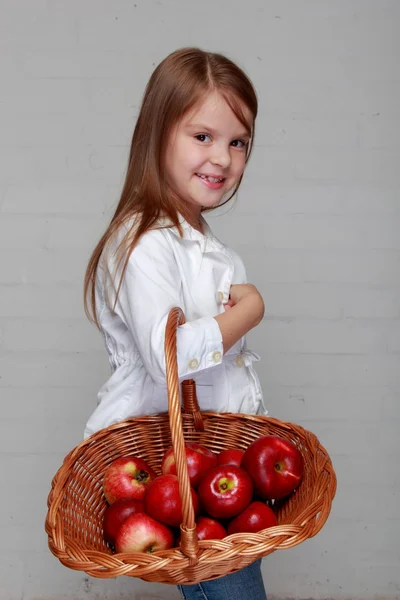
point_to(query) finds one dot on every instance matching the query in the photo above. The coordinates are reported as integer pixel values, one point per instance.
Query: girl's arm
(150, 288)
(245, 311)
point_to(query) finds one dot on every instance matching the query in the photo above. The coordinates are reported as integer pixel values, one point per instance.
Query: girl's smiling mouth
(211, 181)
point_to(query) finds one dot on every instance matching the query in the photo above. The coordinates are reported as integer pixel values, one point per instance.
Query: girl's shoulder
(120, 244)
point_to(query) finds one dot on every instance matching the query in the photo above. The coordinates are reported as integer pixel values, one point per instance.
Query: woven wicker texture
(76, 503)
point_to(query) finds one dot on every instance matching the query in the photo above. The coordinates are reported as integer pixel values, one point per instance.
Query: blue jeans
(242, 585)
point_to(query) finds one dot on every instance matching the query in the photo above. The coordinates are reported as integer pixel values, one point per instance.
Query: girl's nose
(221, 156)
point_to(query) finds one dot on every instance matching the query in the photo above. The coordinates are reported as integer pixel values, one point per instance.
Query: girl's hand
(229, 304)
(239, 291)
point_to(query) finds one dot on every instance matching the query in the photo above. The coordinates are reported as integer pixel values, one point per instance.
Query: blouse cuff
(202, 341)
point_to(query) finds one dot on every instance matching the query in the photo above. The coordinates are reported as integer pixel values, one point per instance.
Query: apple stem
(142, 476)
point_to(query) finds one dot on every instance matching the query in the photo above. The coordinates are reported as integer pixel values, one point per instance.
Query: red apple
(209, 529)
(231, 456)
(141, 533)
(127, 477)
(275, 465)
(225, 491)
(162, 500)
(255, 517)
(199, 460)
(116, 514)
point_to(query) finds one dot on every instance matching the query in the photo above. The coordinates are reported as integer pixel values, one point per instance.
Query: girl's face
(206, 153)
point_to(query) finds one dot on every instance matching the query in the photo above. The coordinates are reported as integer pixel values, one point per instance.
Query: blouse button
(239, 361)
(217, 357)
(221, 296)
(193, 364)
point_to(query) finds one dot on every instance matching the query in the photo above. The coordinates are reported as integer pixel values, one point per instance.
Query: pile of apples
(231, 493)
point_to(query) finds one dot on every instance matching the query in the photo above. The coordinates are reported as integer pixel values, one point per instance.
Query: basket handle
(190, 403)
(189, 541)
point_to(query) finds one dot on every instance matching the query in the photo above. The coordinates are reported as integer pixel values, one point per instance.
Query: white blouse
(164, 270)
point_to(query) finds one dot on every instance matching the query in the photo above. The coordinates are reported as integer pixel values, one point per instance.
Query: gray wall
(317, 222)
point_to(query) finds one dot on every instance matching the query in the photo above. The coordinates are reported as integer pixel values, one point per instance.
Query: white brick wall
(317, 222)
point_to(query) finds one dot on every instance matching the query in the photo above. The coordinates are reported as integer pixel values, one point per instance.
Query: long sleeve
(151, 286)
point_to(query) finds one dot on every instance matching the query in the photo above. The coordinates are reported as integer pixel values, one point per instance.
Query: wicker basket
(76, 503)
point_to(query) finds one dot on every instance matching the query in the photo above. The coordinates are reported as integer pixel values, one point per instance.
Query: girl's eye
(239, 144)
(202, 137)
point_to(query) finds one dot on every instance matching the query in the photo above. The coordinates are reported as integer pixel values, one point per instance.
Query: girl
(191, 143)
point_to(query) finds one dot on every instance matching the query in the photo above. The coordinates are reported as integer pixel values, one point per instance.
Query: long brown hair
(180, 81)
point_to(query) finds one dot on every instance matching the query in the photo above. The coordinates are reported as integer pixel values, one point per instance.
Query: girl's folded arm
(151, 287)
